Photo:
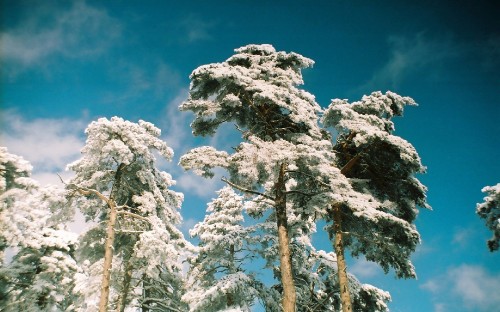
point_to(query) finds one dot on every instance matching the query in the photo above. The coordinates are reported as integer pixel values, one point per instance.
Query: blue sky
(66, 63)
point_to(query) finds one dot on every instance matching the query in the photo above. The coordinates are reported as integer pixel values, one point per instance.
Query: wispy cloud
(187, 225)
(196, 29)
(463, 236)
(48, 144)
(175, 126)
(469, 286)
(77, 31)
(148, 80)
(409, 56)
(364, 269)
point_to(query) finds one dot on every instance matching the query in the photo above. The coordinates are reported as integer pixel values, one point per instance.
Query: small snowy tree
(33, 222)
(217, 275)
(490, 211)
(136, 241)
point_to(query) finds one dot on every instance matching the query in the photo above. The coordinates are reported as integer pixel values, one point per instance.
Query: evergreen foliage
(489, 210)
(296, 164)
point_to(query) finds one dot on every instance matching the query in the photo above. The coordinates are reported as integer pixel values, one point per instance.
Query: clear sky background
(66, 63)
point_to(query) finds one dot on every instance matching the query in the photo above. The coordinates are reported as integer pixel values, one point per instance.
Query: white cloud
(190, 183)
(48, 144)
(410, 56)
(463, 236)
(77, 31)
(147, 81)
(439, 307)
(364, 269)
(175, 127)
(188, 225)
(476, 287)
(196, 29)
(432, 285)
(470, 286)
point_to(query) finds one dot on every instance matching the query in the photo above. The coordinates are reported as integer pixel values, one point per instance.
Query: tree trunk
(289, 296)
(232, 270)
(146, 294)
(108, 257)
(127, 277)
(345, 296)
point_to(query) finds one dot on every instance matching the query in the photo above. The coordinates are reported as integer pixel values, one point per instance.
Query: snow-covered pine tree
(33, 220)
(284, 163)
(380, 169)
(489, 210)
(15, 183)
(217, 277)
(257, 90)
(135, 241)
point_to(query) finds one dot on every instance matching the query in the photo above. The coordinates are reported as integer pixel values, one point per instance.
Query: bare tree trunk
(289, 296)
(345, 296)
(108, 257)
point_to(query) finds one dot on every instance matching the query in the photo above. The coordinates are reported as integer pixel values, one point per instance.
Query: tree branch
(310, 176)
(302, 193)
(247, 190)
(347, 167)
(86, 191)
(131, 214)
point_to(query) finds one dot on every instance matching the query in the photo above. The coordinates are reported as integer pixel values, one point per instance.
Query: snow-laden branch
(310, 176)
(302, 193)
(247, 190)
(131, 214)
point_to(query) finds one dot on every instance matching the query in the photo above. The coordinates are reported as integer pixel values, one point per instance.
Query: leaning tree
(374, 211)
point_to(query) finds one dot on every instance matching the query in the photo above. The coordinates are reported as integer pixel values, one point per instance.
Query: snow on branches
(490, 211)
(116, 181)
(33, 224)
(257, 89)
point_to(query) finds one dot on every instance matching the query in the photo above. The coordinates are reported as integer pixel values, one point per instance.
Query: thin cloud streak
(365, 269)
(80, 31)
(409, 56)
(471, 287)
(196, 29)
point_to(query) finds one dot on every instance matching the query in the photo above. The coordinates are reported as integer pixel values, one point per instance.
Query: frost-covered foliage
(490, 211)
(15, 184)
(118, 163)
(32, 221)
(217, 277)
(286, 160)
(41, 275)
(255, 89)
(380, 169)
(322, 292)
(315, 271)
